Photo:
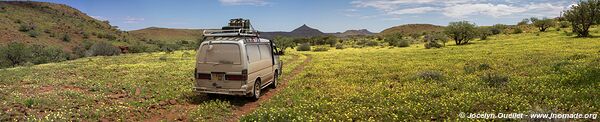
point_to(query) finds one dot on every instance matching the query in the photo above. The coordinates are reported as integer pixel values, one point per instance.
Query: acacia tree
(542, 24)
(583, 15)
(461, 32)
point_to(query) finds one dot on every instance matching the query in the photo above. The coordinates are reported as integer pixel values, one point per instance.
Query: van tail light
(242, 77)
(203, 76)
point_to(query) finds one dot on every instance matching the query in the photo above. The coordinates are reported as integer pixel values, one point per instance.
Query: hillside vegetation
(409, 29)
(168, 34)
(52, 24)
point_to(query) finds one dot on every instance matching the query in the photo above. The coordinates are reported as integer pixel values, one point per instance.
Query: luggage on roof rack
(237, 28)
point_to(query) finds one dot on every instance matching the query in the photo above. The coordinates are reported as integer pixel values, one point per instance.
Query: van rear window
(220, 54)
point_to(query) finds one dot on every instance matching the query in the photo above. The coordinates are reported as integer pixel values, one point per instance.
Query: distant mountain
(412, 29)
(303, 32)
(50, 24)
(167, 34)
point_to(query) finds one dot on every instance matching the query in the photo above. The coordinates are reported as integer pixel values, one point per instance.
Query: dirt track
(251, 106)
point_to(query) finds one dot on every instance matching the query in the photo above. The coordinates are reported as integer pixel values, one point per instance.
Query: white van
(236, 64)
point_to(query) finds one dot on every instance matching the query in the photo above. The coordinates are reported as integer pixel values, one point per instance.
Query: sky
(325, 15)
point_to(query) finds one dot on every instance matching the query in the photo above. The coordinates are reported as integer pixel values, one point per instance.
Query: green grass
(522, 73)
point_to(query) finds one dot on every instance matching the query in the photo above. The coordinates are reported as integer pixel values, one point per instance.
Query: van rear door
(219, 60)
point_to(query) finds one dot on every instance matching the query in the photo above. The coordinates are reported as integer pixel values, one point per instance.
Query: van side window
(265, 52)
(253, 53)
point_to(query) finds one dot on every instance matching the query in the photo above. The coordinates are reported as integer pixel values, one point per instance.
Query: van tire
(256, 90)
(274, 83)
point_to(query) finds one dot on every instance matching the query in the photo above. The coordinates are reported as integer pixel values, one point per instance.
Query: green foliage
(103, 49)
(461, 32)
(484, 32)
(437, 38)
(15, 54)
(517, 30)
(27, 27)
(582, 16)
(42, 54)
(66, 38)
(543, 24)
(33, 33)
(432, 44)
(284, 42)
(321, 48)
(564, 24)
(498, 28)
(397, 40)
(304, 47)
(339, 46)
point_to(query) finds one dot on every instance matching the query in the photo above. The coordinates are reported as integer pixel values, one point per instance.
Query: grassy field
(526, 73)
(523, 73)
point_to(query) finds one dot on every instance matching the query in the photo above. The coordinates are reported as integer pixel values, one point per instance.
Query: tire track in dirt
(251, 106)
(178, 112)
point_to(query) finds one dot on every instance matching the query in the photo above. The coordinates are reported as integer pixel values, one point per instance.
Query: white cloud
(244, 2)
(99, 18)
(132, 20)
(466, 8)
(418, 10)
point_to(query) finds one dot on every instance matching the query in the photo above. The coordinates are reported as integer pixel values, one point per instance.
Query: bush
(494, 79)
(583, 15)
(431, 75)
(523, 22)
(103, 49)
(66, 38)
(483, 33)
(432, 44)
(15, 54)
(33, 33)
(397, 40)
(498, 28)
(517, 30)
(321, 49)
(339, 46)
(43, 54)
(438, 37)
(462, 32)
(543, 24)
(564, 24)
(26, 28)
(303, 47)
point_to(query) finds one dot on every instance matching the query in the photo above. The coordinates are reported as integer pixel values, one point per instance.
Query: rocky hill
(167, 34)
(412, 29)
(52, 24)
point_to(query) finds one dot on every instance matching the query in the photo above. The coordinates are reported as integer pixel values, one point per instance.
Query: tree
(433, 39)
(396, 40)
(543, 24)
(583, 15)
(484, 32)
(461, 32)
(284, 42)
(498, 28)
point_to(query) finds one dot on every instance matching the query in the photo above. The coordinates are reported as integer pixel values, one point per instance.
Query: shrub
(397, 40)
(339, 46)
(484, 66)
(321, 49)
(66, 38)
(494, 79)
(103, 49)
(583, 15)
(438, 37)
(483, 33)
(432, 44)
(517, 30)
(564, 24)
(523, 22)
(15, 54)
(431, 75)
(498, 28)
(138, 48)
(163, 58)
(462, 32)
(43, 54)
(543, 24)
(33, 33)
(303, 47)
(26, 27)
(371, 43)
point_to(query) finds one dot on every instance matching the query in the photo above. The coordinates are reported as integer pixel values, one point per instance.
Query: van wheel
(256, 92)
(274, 84)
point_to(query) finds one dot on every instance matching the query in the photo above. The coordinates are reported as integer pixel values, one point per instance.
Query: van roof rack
(237, 28)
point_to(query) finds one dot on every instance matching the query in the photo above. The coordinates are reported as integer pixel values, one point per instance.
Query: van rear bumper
(240, 92)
